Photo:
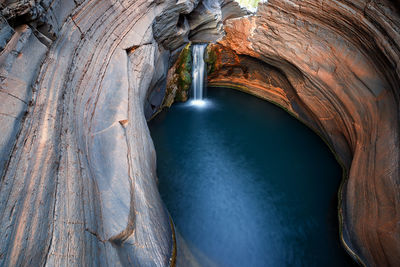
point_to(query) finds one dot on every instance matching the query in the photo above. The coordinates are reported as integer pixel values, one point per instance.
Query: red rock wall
(341, 62)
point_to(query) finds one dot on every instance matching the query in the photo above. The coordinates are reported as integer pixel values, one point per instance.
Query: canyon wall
(336, 66)
(77, 164)
(78, 79)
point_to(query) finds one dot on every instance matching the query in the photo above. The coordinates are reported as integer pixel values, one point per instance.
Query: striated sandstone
(341, 61)
(78, 179)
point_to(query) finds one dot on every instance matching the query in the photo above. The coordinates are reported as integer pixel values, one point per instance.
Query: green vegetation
(210, 59)
(249, 4)
(183, 71)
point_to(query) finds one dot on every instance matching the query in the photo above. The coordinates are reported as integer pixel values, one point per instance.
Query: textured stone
(20, 62)
(231, 9)
(78, 78)
(79, 187)
(341, 60)
(171, 27)
(253, 76)
(179, 78)
(6, 32)
(206, 22)
(46, 16)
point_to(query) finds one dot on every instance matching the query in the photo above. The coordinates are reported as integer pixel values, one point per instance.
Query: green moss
(184, 80)
(211, 58)
(183, 72)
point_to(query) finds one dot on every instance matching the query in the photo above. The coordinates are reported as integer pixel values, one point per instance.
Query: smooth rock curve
(339, 69)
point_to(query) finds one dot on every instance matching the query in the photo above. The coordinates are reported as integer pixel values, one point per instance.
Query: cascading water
(198, 67)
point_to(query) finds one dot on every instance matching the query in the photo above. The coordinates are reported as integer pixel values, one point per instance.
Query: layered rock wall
(79, 78)
(78, 181)
(341, 63)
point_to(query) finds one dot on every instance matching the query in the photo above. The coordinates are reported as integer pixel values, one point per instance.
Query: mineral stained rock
(78, 78)
(179, 78)
(336, 66)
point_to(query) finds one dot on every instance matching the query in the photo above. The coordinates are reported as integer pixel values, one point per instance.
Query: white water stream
(198, 69)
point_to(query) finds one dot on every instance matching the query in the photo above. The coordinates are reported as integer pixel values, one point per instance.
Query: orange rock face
(334, 65)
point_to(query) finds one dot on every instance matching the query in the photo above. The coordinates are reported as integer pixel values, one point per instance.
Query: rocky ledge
(336, 66)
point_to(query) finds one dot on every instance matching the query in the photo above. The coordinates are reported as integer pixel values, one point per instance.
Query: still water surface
(247, 184)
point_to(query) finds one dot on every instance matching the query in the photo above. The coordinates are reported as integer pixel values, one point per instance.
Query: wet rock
(179, 78)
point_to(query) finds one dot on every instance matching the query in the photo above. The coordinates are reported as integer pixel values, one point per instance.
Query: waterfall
(198, 67)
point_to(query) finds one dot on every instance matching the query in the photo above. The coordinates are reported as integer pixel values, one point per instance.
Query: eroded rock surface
(78, 180)
(79, 78)
(341, 60)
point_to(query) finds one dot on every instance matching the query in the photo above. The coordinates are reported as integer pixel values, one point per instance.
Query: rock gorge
(78, 79)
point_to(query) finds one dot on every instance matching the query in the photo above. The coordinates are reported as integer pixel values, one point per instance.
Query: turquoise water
(247, 184)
